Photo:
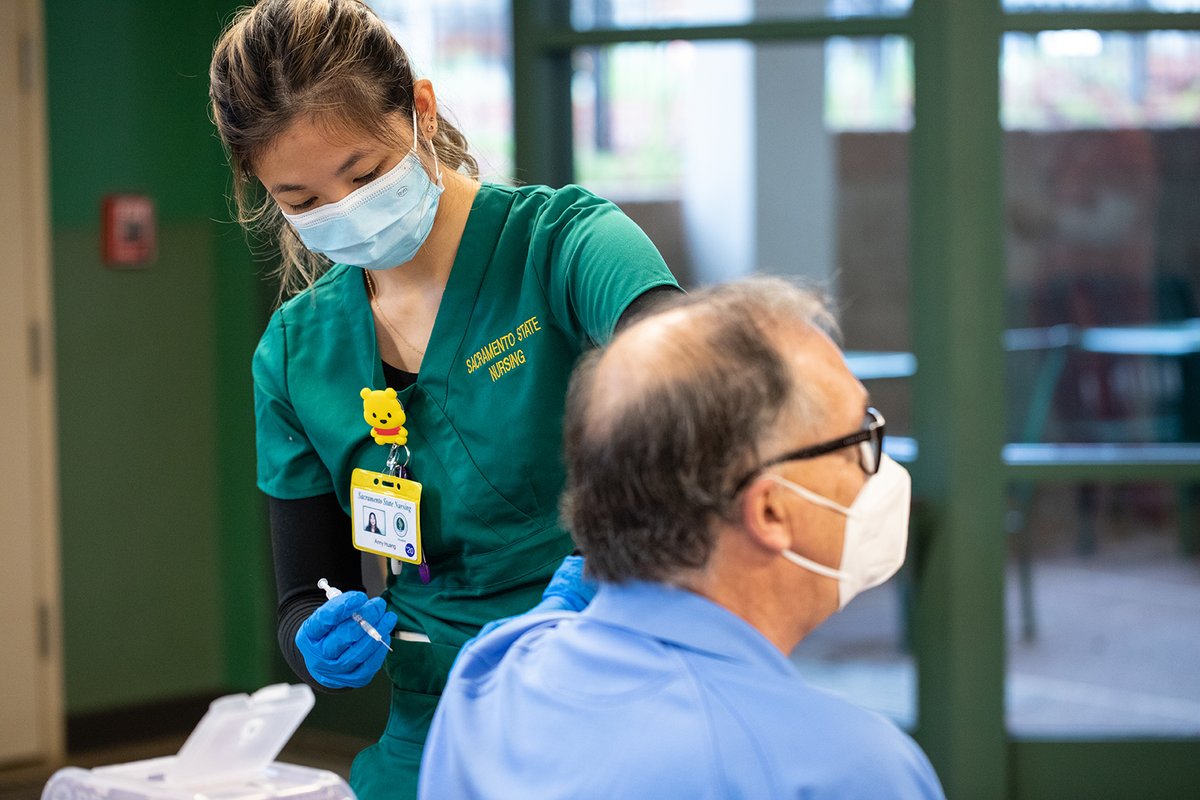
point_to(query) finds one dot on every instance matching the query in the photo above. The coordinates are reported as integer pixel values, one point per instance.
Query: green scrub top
(540, 276)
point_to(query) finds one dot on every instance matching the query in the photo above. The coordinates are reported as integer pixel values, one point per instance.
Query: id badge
(386, 515)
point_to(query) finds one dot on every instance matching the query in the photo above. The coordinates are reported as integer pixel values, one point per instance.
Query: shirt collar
(684, 619)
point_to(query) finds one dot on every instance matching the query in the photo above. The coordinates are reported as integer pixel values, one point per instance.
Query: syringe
(332, 592)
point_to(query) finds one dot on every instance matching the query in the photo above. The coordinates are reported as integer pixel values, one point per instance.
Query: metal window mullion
(543, 146)
(957, 320)
(765, 31)
(1131, 22)
(1181, 472)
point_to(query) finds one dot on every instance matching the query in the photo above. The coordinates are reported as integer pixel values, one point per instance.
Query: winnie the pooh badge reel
(385, 506)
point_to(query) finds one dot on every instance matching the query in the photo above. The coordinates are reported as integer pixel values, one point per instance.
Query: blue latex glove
(337, 651)
(568, 590)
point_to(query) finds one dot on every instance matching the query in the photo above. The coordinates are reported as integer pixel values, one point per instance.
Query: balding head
(662, 424)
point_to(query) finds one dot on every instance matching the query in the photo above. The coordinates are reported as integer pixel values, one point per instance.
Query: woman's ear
(765, 514)
(425, 103)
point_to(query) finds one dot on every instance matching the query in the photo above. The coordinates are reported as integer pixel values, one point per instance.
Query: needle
(332, 592)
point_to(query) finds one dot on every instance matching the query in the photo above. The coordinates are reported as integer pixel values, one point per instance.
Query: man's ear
(765, 515)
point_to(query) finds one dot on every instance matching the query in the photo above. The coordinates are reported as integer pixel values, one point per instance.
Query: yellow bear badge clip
(385, 507)
(385, 415)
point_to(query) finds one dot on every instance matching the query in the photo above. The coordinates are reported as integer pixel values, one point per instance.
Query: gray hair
(659, 433)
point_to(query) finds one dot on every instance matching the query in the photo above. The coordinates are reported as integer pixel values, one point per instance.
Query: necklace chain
(371, 291)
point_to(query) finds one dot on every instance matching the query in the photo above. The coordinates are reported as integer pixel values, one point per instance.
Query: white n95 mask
(380, 225)
(876, 536)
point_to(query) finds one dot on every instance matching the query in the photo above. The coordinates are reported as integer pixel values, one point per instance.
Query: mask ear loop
(437, 164)
(824, 502)
(813, 566)
(811, 496)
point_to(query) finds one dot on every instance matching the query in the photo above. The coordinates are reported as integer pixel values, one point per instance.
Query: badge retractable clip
(395, 468)
(385, 506)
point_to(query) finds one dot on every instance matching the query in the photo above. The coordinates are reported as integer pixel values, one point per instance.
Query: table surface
(1179, 338)
(1168, 339)
(871, 364)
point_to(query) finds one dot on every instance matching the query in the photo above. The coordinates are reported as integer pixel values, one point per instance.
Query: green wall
(166, 578)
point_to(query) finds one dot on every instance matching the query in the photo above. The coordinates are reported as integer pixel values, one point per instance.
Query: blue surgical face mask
(380, 225)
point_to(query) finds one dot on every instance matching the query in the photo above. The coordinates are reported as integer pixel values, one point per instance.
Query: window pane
(590, 14)
(628, 102)
(1103, 252)
(868, 84)
(463, 46)
(738, 158)
(1067, 80)
(1102, 157)
(633, 103)
(1104, 611)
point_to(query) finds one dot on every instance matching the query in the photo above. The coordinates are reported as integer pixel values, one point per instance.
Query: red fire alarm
(128, 232)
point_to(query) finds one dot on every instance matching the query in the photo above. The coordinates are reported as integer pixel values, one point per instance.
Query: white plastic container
(229, 756)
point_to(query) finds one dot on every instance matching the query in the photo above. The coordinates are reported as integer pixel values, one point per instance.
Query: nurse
(472, 300)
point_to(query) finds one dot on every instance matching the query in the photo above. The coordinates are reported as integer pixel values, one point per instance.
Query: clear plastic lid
(240, 735)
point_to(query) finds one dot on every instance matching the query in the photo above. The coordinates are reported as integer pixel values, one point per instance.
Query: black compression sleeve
(645, 303)
(310, 540)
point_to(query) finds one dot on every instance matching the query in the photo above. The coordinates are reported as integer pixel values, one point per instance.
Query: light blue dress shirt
(653, 692)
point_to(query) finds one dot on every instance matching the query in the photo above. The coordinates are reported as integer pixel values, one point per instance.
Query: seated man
(727, 485)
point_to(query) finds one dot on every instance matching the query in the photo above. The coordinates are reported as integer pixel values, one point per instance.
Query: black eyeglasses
(870, 448)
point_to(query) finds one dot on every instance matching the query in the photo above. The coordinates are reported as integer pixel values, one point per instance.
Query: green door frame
(958, 279)
(957, 319)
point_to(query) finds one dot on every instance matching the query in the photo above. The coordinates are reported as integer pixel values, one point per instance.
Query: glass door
(952, 171)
